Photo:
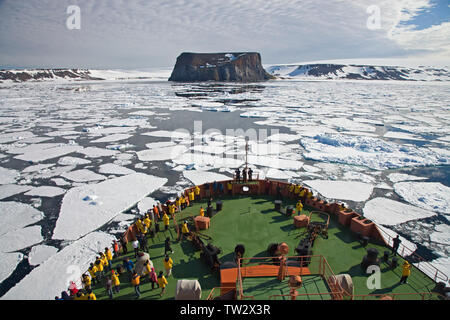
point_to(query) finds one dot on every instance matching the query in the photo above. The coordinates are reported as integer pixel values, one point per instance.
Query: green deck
(252, 221)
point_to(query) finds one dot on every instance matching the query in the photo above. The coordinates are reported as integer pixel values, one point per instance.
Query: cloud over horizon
(140, 34)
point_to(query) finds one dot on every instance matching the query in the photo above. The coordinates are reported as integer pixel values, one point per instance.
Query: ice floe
(88, 207)
(397, 177)
(441, 234)
(20, 239)
(40, 254)
(82, 175)
(198, 177)
(112, 138)
(367, 151)
(94, 152)
(8, 263)
(16, 215)
(342, 190)
(428, 195)
(110, 168)
(390, 212)
(72, 161)
(8, 190)
(160, 154)
(65, 266)
(8, 176)
(48, 153)
(45, 191)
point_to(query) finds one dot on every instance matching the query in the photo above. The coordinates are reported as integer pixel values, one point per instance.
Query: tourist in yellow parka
(166, 220)
(299, 207)
(406, 271)
(162, 282)
(168, 263)
(116, 281)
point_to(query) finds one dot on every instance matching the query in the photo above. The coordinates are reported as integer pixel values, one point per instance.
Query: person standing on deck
(197, 192)
(86, 282)
(109, 287)
(202, 212)
(116, 249)
(109, 257)
(214, 187)
(230, 188)
(166, 220)
(395, 244)
(406, 272)
(279, 196)
(91, 295)
(238, 175)
(123, 243)
(162, 282)
(299, 207)
(244, 175)
(221, 188)
(115, 280)
(92, 271)
(135, 245)
(99, 266)
(184, 230)
(135, 280)
(167, 246)
(129, 266)
(168, 263)
(153, 278)
(250, 174)
(191, 197)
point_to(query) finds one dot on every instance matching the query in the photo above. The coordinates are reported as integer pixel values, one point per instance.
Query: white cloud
(119, 33)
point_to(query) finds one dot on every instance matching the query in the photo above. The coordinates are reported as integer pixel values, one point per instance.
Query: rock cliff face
(236, 66)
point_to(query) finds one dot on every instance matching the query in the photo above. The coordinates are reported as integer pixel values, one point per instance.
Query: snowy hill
(358, 72)
(22, 75)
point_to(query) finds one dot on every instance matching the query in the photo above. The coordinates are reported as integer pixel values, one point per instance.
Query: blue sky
(136, 34)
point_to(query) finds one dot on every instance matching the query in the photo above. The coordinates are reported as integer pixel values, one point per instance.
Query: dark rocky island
(235, 66)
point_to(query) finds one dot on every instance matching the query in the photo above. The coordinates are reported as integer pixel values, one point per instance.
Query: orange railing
(216, 292)
(424, 266)
(317, 265)
(391, 295)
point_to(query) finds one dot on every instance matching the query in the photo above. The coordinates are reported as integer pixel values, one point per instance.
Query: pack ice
(88, 207)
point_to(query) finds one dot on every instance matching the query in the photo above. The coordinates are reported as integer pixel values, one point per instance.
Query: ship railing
(299, 296)
(393, 296)
(420, 263)
(295, 265)
(217, 292)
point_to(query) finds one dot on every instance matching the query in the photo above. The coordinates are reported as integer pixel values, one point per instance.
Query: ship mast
(246, 153)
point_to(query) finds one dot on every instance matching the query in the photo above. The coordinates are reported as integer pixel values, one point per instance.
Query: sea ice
(8, 190)
(93, 152)
(45, 191)
(80, 213)
(55, 274)
(441, 235)
(342, 190)
(82, 175)
(390, 212)
(8, 263)
(16, 215)
(8, 176)
(112, 138)
(198, 177)
(72, 161)
(49, 153)
(160, 154)
(367, 151)
(20, 239)
(428, 195)
(110, 168)
(41, 253)
(397, 177)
